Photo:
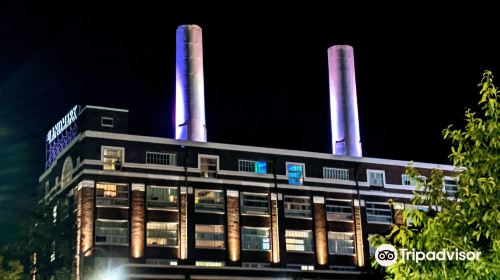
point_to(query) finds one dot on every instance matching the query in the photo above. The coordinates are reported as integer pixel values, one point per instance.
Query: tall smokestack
(343, 102)
(189, 85)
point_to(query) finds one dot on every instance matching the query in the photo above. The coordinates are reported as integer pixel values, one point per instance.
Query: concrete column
(137, 221)
(183, 223)
(321, 237)
(275, 232)
(358, 230)
(233, 225)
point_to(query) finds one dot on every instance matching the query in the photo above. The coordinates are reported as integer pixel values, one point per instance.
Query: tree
(12, 270)
(470, 221)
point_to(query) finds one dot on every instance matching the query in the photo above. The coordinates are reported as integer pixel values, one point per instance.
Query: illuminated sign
(63, 124)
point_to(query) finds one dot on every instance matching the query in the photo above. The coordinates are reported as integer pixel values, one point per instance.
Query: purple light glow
(343, 102)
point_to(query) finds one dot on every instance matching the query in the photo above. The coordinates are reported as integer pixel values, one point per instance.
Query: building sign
(61, 135)
(63, 124)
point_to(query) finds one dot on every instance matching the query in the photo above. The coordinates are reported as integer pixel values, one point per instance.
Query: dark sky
(266, 77)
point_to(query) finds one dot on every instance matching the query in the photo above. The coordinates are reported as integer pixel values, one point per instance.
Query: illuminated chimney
(189, 85)
(343, 102)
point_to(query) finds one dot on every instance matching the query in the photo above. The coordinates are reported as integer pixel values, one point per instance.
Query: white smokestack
(343, 102)
(189, 85)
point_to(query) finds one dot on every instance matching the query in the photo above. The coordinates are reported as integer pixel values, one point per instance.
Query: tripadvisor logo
(387, 255)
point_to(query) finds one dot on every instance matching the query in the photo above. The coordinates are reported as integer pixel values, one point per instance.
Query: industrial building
(185, 208)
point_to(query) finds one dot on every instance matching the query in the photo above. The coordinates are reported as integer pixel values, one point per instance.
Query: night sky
(266, 78)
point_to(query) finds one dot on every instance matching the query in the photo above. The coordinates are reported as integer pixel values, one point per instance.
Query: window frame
(108, 119)
(303, 178)
(163, 246)
(340, 200)
(287, 250)
(113, 221)
(450, 178)
(268, 199)
(111, 198)
(216, 157)
(368, 171)
(240, 161)
(114, 148)
(287, 214)
(413, 183)
(196, 246)
(221, 212)
(330, 252)
(257, 228)
(166, 208)
(379, 222)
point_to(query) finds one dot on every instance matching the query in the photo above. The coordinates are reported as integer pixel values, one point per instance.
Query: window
(161, 158)
(297, 207)
(161, 234)
(109, 194)
(112, 158)
(255, 239)
(107, 122)
(376, 179)
(299, 240)
(162, 197)
(300, 266)
(378, 213)
(255, 265)
(47, 187)
(340, 243)
(450, 186)
(295, 173)
(161, 262)
(209, 236)
(209, 201)
(255, 203)
(209, 264)
(339, 210)
(208, 166)
(407, 181)
(412, 207)
(112, 232)
(336, 173)
(67, 172)
(257, 167)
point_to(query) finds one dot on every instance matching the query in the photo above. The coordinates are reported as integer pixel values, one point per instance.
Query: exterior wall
(185, 176)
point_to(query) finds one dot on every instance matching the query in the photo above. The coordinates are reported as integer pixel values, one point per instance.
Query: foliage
(471, 220)
(12, 270)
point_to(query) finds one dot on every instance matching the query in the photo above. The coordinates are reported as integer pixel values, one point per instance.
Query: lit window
(112, 158)
(54, 214)
(53, 251)
(162, 234)
(258, 167)
(255, 239)
(112, 232)
(300, 266)
(299, 240)
(378, 213)
(111, 194)
(340, 243)
(406, 180)
(208, 167)
(162, 197)
(295, 173)
(450, 186)
(107, 122)
(336, 173)
(209, 236)
(339, 210)
(376, 179)
(210, 201)
(209, 264)
(297, 207)
(255, 203)
(161, 158)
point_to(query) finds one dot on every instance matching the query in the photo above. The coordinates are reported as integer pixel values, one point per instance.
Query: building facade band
(160, 206)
